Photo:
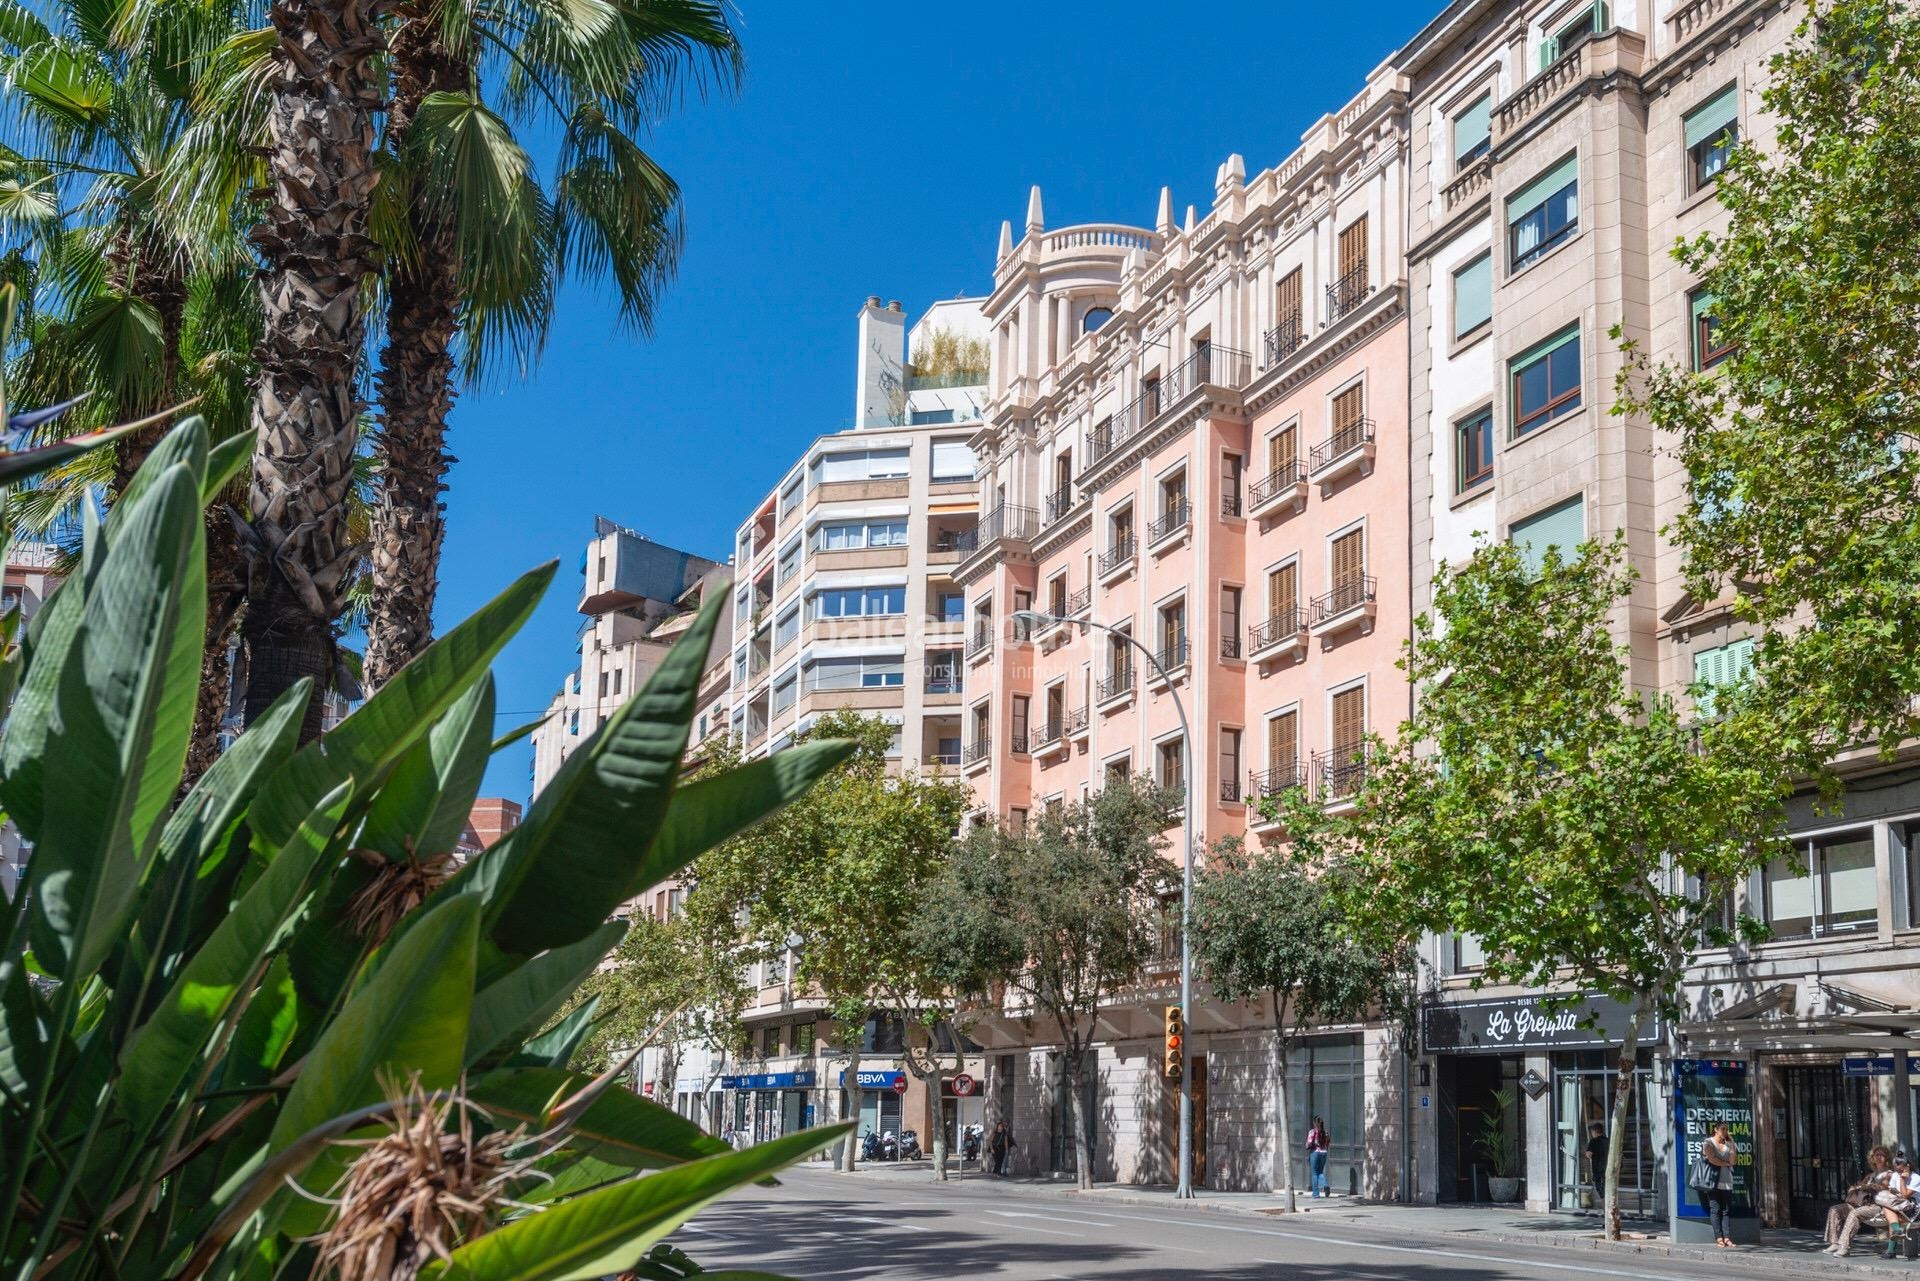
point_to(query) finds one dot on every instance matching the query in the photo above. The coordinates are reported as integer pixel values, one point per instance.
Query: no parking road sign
(963, 1084)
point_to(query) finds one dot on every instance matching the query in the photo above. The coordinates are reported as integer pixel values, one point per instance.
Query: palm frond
(619, 215)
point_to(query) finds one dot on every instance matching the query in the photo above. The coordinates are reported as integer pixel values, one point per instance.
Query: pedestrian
(1317, 1159)
(1858, 1207)
(1000, 1147)
(1596, 1156)
(1720, 1152)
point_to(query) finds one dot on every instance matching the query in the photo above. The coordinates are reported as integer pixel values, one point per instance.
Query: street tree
(1798, 438)
(1267, 924)
(836, 877)
(1584, 831)
(1060, 916)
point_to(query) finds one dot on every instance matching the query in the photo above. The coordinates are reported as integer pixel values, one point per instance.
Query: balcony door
(1353, 257)
(1349, 725)
(1283, 591)
(1349, 556)
(1283, 450)
(1286, 302)
(1283, 746)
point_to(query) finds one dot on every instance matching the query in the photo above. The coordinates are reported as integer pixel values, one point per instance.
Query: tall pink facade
(1198, 434)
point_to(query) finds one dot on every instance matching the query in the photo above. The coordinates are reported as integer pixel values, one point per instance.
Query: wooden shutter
(1282, 451)
(1283, 741)
(1287, 301)
(1349, 722)
(1283, 590)
(1353, 247)
(1347, 407)
(1349, 558)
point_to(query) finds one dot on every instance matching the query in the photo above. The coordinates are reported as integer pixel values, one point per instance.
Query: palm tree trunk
(306, 410)
(408, 522)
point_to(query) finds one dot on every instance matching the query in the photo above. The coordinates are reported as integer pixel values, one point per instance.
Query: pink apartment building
(1198, 435)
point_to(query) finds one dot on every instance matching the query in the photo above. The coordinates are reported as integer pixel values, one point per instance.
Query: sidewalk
(1782, 1251)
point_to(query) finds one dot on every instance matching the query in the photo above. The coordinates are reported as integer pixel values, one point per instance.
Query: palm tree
(475, 247)
(133, 306)
(321, 96)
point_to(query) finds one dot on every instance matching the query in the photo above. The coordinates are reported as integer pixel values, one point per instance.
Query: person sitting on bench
(1860, 1205)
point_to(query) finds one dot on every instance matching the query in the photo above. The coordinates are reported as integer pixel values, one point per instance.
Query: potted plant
(1499, 1146)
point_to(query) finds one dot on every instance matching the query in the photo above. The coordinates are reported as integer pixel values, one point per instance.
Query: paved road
(820, 1225)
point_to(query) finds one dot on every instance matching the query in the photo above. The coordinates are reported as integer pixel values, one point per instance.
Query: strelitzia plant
(269, 1028)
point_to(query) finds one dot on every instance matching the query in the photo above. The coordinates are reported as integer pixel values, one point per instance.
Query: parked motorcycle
(870, 1146)
(971, 1139)
(889, 1147)
(910, 1146)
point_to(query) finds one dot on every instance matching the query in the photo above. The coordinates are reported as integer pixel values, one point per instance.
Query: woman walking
(1317, 1158)
(1720, 1152)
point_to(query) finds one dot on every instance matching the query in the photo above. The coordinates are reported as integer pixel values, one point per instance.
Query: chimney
(880, 388)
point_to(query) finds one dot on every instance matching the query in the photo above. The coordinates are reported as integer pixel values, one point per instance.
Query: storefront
(1518, 1083)
(766, 1105)
(1326, 1077)
(882, 1094)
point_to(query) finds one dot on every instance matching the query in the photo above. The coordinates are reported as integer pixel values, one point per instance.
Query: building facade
(1198, 438)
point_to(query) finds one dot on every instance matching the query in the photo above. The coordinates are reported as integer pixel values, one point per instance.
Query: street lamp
(1032, 617)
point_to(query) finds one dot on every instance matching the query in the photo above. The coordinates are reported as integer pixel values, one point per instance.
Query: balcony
(1284, 339)
(1118, 558)
(938, 757)
(1273, 782)
(1175, 520)
(1210, 365)
(1172, 660)
(1058, 504)
(977, 755)
(1230, 644)
(1117, 685)
(943, 682)
(1056, 735)
(1468, 184)
(1285, 484)
(1349, 604)
(1006, 523)
(1282, 634)
(1338, 775)
(1348, 449)
(1345, 295)
(980, 644)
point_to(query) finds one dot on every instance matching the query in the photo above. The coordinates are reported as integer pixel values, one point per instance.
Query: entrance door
(1199, 1122)
(1826, 1139)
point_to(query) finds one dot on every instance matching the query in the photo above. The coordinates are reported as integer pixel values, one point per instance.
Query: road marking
(1015, 1214)
(1428, 1251)
(885, 1223)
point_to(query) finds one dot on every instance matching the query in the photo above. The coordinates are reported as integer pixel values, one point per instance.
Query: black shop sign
(1528, 1023)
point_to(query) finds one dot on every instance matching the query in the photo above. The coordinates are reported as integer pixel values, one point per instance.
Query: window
(1712, 130)
(1286, 306)
(605, 677)
(1057, 595)
(1349, 724)
(743, 606)
(1348, 415)
(1283, 746)
(1283, 451)
(952, 461)
(801, 1042)
(1473, 295)
(790, 496)
(1722, 667)
(1347, 555)
(1471, 134)
(1709, 348)
(1095, 318)
(875, 672)
(1173, 499)
(1019, 717)
(848, 536)
(1017, 821)
(1826, 885)
(1563, 526)
(950, 607)
(1473, 451)
(1230, 622)
(786, 628)
(1283, 594)
(1468, 954)
(860, 464)
(1232, 468)
(740, 669)
(616, 682)
(856, 602)
(1120, 768)
(1545, 382)
(770, 1042)
(784, 690)
(1172, 772)
(1173, 634)
(789, 563)
(1589, 23)
(1229, 764)
(943, 671)
(1543, 213)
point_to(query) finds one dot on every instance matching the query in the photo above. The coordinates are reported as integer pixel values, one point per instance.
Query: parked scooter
(970, 1142)
(910, 1146)
(870, 1146)
(889, 1147)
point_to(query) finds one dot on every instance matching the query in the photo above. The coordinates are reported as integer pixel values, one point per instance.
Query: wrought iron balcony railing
(1284, 339)
(1272, 782)
(1347, 293)
(976, 751)
(1059, 503)
(1175, 518)
(1351, 594)
(1350, 437)
(1118, 682)
(980, 642)
(1121, 553)
(1338, 774)
(1173, 655)
(1275, 483)
(1285, 622)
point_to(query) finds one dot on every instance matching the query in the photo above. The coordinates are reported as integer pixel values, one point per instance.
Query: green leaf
(164, 1052)
(411, 1016)
(709, 810)
(226, 460)
(368, 742)
(23, 464)
(119, 729)
(526, 998)
(556, 1046)
(423, 806)
(607, 1231)
(582, 850)
(619, 1127)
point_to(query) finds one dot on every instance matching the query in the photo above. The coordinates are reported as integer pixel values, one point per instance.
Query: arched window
(1095, 317)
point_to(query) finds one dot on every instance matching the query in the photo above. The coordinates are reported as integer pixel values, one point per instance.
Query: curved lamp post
(1184, 1187)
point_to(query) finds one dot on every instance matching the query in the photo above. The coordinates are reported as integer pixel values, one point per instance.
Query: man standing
(1596, 1157)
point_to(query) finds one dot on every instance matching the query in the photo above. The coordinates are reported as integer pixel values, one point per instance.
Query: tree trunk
(1283, 1102)
(408, 522)
(937, 1141)
(1077, 1109)
(850, 1157)
(306, 409)
(1623, 1086)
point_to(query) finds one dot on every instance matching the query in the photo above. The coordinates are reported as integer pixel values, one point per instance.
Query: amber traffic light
(1176, 1039)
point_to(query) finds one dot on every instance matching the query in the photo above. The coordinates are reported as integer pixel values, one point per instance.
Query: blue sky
(874, 149)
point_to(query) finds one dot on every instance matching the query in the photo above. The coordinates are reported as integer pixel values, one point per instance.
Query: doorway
(1468, 1084)
(1199, 1167)
(1826, 1139)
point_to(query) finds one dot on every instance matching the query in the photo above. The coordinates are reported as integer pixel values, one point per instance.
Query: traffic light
(1176, 1041)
